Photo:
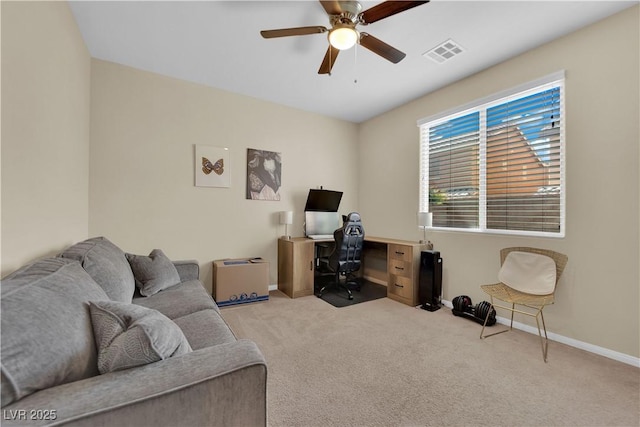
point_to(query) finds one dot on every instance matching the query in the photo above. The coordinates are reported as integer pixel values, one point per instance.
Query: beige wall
(45, 131)
(598, 296)
(143, 130)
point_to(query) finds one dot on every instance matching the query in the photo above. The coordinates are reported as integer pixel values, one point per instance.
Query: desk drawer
(400, 252)
(399, 267)
(400, 286)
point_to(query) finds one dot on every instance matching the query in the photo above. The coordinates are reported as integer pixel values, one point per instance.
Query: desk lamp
(286, 218)
(425, 219)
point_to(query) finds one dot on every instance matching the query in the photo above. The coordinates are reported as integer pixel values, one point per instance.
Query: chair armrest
(187, 270)
(219, 385)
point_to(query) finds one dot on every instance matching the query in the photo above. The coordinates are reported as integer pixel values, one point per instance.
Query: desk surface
(366, 239)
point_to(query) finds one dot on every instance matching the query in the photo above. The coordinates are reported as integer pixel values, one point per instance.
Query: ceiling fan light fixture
(343, 37)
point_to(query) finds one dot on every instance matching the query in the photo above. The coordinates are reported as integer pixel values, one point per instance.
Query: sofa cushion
(205, 328)
(129, 335)
(47, 337)
(179, 300)
(528, 272)
(153, 273)
(106, 263)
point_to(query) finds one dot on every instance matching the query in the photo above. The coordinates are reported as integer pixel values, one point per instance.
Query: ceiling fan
(344, 17)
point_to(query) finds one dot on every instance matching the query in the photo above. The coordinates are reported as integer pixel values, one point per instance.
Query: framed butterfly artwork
(212, 166)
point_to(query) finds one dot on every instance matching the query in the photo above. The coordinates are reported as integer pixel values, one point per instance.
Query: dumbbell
(462, 306)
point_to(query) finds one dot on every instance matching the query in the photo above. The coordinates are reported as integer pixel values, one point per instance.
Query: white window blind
(497, 166)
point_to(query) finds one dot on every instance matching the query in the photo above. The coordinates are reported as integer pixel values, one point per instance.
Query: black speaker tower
(430, 287)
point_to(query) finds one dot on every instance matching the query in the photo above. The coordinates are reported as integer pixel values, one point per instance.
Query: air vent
(444, 51)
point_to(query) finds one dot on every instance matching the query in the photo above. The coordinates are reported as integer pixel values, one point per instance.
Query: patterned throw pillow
(129, 335)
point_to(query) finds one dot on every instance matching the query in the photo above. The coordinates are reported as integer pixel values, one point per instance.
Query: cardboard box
(240, 281)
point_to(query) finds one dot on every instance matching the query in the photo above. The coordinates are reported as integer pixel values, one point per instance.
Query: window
(497, 165)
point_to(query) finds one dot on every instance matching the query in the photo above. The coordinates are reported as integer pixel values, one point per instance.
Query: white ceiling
(218, 44)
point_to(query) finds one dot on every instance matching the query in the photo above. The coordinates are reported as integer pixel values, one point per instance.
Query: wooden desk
(389, 262)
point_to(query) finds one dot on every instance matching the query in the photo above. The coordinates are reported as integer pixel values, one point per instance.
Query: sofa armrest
(222, 385)
(188, 270)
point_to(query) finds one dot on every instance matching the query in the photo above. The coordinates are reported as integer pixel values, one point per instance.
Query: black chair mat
(338, 297)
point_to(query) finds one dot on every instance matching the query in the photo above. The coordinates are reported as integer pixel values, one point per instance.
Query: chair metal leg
(544, 342)
(513, 309)
(486, 319)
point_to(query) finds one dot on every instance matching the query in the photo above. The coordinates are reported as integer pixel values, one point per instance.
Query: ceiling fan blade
(331, 7)
(387, 9)
(329, 60)
(298, 31)
(379, 47)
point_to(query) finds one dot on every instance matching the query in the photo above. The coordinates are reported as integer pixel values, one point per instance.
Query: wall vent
(444, 51)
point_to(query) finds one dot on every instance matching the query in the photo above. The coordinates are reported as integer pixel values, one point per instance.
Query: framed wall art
(212, 166)
(264, 174)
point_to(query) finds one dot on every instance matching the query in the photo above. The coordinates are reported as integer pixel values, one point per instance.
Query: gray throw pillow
(153, 273)
(106, 264)
(128, 335)
(47, 337)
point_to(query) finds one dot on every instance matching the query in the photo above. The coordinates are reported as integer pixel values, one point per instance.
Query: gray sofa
(82, 345)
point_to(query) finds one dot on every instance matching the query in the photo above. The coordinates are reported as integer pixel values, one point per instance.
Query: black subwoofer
(430, 286)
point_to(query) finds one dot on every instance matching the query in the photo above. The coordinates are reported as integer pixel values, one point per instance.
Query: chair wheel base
(338, 286)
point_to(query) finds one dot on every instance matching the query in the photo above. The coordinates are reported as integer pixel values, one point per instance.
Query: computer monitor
(323, 200)
(321, 223)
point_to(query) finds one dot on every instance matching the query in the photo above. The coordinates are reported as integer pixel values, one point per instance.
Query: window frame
(554, 80)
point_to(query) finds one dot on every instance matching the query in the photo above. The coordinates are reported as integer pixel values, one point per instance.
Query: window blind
(523, 163)
(453, 171)
(498, 166)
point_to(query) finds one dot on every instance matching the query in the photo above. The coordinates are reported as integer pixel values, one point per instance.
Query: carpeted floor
(382, 363)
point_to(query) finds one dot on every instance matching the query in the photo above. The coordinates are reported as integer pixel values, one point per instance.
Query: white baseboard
(273, 287)
(611, 354)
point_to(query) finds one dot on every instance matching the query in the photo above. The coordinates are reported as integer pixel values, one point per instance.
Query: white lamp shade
(425, 219)
(343, 37)
(286, 217)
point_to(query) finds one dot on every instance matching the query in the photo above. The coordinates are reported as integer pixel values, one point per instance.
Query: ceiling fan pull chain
(355, 53)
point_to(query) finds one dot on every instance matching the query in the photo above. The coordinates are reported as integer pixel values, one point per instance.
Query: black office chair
(345, 258)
